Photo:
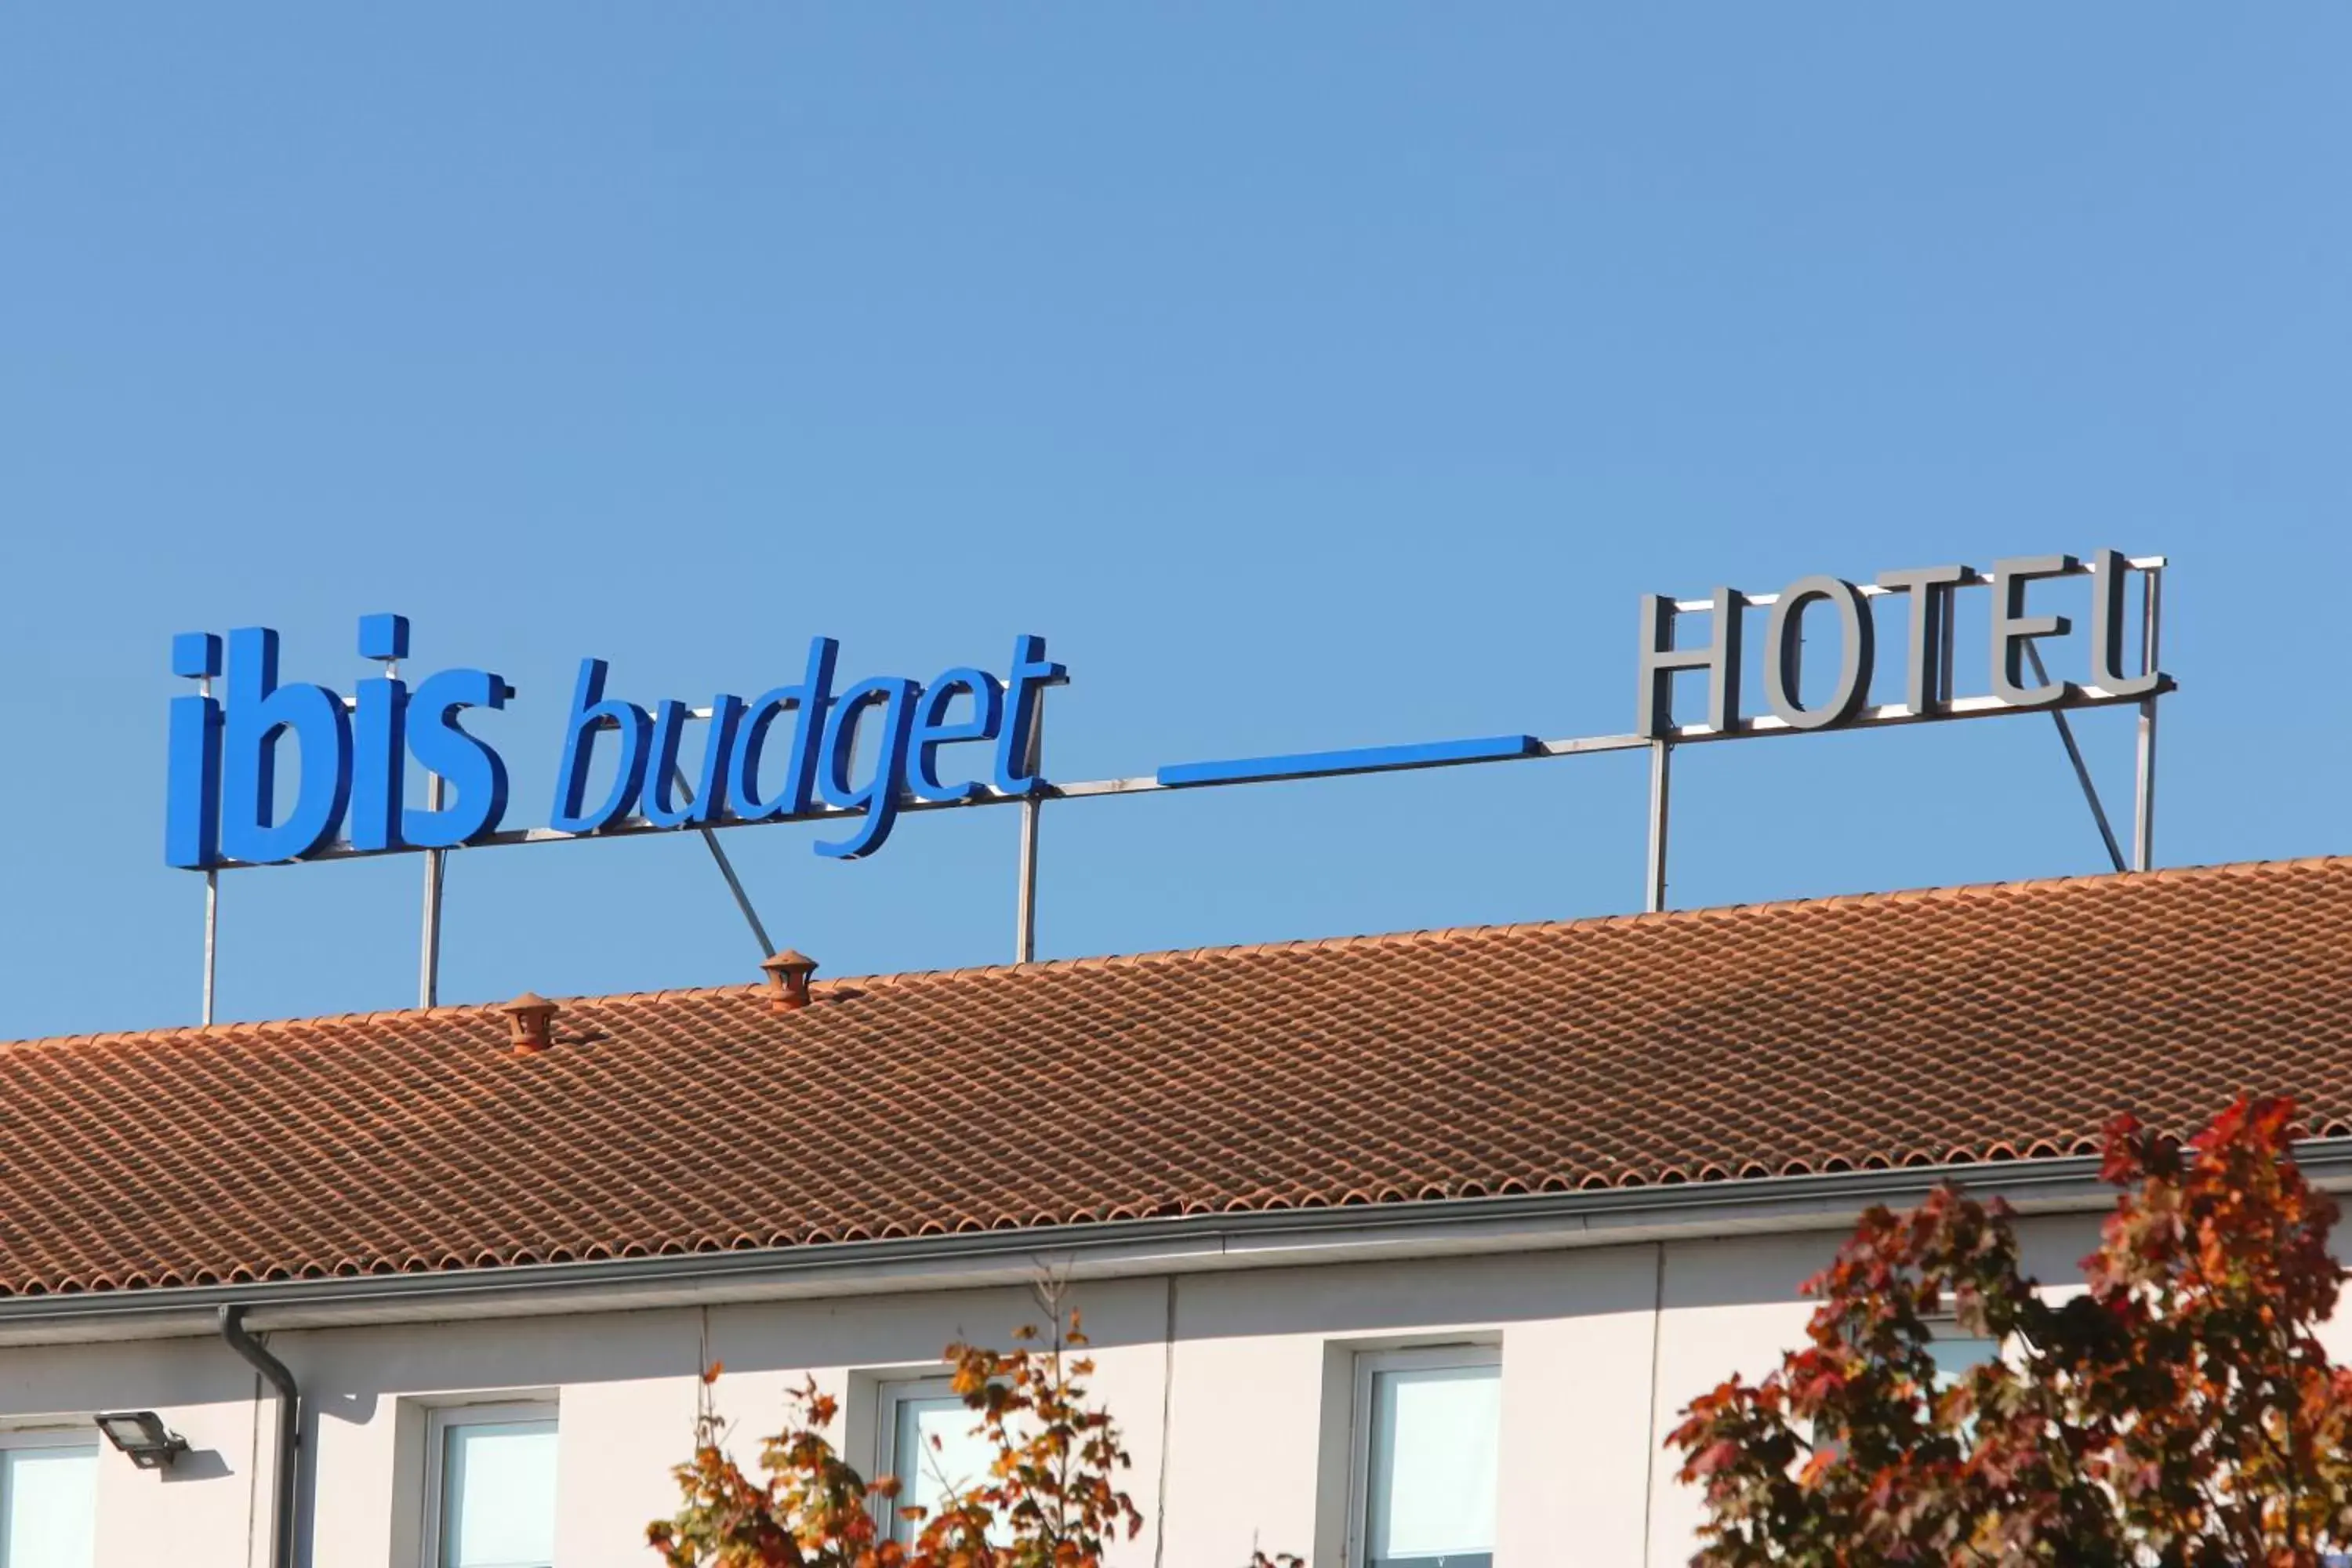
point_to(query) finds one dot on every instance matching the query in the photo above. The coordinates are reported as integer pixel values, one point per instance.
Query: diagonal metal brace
(727, 869)
(2081, 770)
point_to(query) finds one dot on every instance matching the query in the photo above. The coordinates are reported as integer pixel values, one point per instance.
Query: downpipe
(283, 1491)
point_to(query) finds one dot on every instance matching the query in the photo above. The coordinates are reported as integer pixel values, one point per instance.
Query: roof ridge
(239, 1027)
(1044, 968)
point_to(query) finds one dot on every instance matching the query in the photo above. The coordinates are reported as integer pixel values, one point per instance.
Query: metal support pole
(2152, 633)
(1024, 913)
(428, 978)
(1024, 917)
(212, 939)
(1662, 753)
(2081, 770)
(211, 910)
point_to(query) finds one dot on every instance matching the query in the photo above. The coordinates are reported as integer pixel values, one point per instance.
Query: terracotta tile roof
(1853, 1031)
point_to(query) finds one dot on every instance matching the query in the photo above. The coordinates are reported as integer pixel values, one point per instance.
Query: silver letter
(1930, 588)
(1653, 705)
(2012, 628)
(2108, 575)
(1855, 640)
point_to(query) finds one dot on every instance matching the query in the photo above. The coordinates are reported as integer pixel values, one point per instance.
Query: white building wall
(207, 1499)
(1233, 1391)
(623, 1384)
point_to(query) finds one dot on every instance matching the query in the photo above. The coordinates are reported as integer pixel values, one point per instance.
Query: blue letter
(385, 638)
(379, 764)
(663, 772)
(590, 713)
(1030, 674)
(259, 712)
(192, 809)
(932, 732)
(880, 796)
(810, 698)
(670, 727)
(378, 770)
(471, 767)
(718, 751)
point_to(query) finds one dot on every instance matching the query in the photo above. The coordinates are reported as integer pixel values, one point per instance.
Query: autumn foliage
(2179, 1410)
(1050, 1498)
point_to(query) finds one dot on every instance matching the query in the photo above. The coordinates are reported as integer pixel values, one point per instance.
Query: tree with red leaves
(2179, 1411)
(1049, 1499)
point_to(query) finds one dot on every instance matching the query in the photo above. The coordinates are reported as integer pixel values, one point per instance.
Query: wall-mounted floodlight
(143, 1435)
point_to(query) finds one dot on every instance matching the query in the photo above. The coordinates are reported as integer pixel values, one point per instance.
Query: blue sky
(1310, 375)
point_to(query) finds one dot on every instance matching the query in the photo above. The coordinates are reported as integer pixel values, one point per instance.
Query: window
(925, 1435)
(49, 1500)
(489, 1487)
(1428, 1426)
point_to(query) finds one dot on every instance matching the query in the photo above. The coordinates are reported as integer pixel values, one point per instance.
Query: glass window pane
(51, 1504)
(1431, 1497)
(926, 1474)
(1956, 1357)
(498, 1496)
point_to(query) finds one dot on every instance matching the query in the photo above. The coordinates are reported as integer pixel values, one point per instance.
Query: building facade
(1394, 1251)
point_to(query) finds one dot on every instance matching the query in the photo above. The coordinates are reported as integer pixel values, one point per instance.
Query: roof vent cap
(788, 979)
(530, 1018)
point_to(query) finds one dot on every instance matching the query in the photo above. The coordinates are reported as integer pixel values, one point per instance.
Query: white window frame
(12, 1438)
(1369, 1364)
(889, 1397)
(439, 1422)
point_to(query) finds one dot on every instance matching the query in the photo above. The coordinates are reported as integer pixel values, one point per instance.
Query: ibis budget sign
(789, 752)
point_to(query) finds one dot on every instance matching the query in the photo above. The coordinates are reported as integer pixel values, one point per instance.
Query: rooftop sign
(814, 750)
(2017, 677)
